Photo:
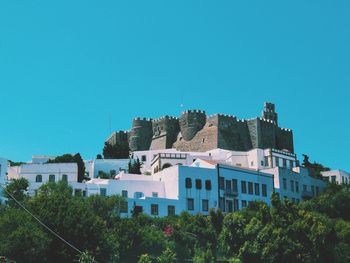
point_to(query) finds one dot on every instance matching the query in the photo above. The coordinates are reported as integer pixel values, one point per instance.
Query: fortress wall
(191, 122)
(141, 134)
(165, 131)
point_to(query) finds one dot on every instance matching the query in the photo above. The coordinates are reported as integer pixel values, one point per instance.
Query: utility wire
(41, 223)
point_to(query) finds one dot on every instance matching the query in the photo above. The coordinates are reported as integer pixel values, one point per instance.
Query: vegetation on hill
(317, 230)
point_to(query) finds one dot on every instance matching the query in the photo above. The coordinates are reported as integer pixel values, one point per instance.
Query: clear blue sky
(65, 66)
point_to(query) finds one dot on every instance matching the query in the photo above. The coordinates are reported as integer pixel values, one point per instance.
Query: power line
(41, 223)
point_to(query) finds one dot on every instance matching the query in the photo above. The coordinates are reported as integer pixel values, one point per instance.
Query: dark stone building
(195, 131)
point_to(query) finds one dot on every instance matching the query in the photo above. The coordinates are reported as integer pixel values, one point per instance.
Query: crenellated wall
(165, 131)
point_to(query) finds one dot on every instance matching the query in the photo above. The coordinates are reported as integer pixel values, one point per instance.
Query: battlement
(194, 111)
(166, 117)
(142, 119)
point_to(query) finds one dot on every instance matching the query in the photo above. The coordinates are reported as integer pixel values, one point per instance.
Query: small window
(190, 204)
(291, 163)
(292, 185)
(38, 178)
(143, 158)
(154, 209)
(304, 187)
(125, 193)
(257, 189)
(244, 187)
(250, 188)
(266, 160)
(284, 183)
(51, 178)
(235, 185)
(154, 194)
(244, 203)
(262, 163)
(284, 163)
(198, 184)
(235, 205)
(171, 210)
(296, 186)
(251, 163)
(221, 183)
(64, 178)
(264, 190)
(205, 205)
(277, 160)
(207, 185)
(188, 183)
(103, 191)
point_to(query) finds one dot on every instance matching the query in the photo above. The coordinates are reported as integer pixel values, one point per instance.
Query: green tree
(167, 256)
(145, 259)
(18, 189)
(116, 151)
(134, 167)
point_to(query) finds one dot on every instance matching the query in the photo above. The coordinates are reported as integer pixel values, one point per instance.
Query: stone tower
(192, 122)
(165, 131)
(140, 137)
(269, 112)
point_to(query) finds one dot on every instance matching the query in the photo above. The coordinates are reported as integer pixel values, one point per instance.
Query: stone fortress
(195, 131)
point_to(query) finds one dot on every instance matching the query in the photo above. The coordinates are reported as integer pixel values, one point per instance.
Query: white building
(108, 166)
(337, 176)
(41, 173)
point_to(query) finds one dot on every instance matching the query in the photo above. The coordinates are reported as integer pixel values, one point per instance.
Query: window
(296, 186)
(124, 193)
(284, 183)
(313, 189)
(124, 207)
(188, 183)
(291, 163)
(229, 206)
(234, 185)
(304, 187)
(266, 160)
(292, 185)
(171, 210)
(284, 162)
(84, 193)
(244, 203)
(235, 205)
(257, 189)
(222, 204)
(38, 178)
(190, 204)
(244, 187)
(262, 163)
(64, 178)
(51, 178)
(228, 186)
(207, 185)
(205, 205)
(250, 188)
(334, 179)
(264, 190)
(143, 158)
(154, 209)
(221, 183)
(154, 194)
(198, 184)
(103, 191)
(277, 161)
(251, 163)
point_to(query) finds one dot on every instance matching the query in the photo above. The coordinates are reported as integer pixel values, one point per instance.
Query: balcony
(230, 193)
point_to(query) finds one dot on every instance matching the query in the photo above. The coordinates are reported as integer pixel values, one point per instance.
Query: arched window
(51, 178)
(64, 178)
(38, 178)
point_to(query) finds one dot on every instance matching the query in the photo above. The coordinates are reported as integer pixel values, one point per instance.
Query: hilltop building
(195, 131)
